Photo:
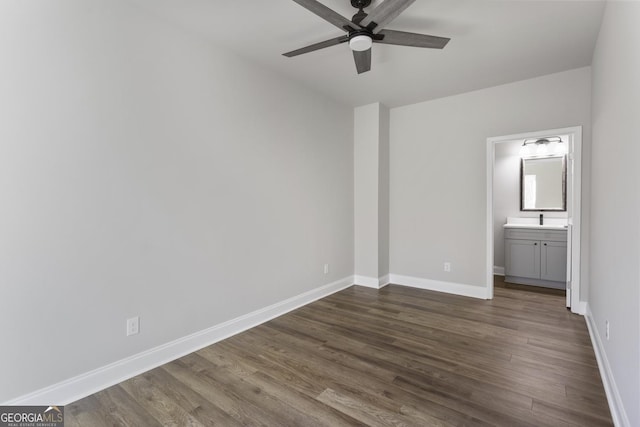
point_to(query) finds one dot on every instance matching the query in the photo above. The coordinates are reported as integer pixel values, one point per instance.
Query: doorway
(573, 207)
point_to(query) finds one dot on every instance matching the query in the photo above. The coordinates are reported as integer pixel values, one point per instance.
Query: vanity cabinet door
(522, 258)
(553, 263)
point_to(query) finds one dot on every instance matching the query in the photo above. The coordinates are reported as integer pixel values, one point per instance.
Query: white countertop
(537, 226)
(533, 223)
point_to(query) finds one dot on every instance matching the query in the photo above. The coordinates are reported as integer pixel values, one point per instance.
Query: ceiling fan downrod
(361, 14)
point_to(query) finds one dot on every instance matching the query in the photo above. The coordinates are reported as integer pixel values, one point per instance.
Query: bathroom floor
(499, 282)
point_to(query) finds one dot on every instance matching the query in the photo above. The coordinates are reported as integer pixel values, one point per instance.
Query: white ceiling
(492, 42)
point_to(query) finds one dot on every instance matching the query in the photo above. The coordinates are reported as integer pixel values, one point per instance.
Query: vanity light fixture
(548, 145)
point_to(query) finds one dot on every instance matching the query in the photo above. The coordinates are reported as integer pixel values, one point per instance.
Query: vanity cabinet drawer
(531, 234)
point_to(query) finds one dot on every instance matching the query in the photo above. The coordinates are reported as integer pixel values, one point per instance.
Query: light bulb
(360, 43)
(524, 150)
(563, 148)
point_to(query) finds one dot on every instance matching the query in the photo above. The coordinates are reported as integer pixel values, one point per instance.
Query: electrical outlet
(326, 269)
(606, 331)
(133, 325)
(447, 267)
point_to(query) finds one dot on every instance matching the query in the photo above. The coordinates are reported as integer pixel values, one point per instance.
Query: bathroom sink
(548, 223)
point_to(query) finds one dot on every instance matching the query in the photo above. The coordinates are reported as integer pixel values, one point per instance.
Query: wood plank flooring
(395, 356)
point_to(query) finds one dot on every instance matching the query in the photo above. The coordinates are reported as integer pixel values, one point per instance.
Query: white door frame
(573, 205)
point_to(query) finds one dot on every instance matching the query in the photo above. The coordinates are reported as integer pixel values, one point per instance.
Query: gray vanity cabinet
(553, 261)
(523, 258)
(536, 257)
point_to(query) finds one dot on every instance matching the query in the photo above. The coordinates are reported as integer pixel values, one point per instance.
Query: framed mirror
(543, 183)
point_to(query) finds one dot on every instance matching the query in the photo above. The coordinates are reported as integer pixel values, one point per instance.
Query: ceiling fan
(364, 29)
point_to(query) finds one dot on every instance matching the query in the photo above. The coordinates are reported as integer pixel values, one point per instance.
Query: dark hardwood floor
(395, 356)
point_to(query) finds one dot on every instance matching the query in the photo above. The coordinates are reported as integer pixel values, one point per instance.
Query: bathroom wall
(506, 196)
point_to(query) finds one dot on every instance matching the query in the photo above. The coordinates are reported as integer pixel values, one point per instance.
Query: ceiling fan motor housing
(360, 4)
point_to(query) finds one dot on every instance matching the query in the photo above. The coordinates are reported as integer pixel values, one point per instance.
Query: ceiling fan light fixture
(365, 28)
(360, 43)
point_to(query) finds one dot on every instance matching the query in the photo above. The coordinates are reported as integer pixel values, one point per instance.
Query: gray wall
(145, 172)
(438, 168)
(366, 143)
(383, 194)
(615, 204)
(371, 193)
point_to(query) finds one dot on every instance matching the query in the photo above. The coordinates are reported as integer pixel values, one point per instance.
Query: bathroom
(532, 200)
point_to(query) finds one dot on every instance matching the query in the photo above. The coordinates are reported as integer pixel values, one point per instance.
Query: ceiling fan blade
(363, 60)
(328, 15)
(403, 38)
(317, 46)
(386, 12)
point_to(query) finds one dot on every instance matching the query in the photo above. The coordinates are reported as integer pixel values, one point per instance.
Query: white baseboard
(618, 413)
(369, 282)
(582, 308)
(436, 285)
(384, 281)
(498, 271)
(83, 385)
